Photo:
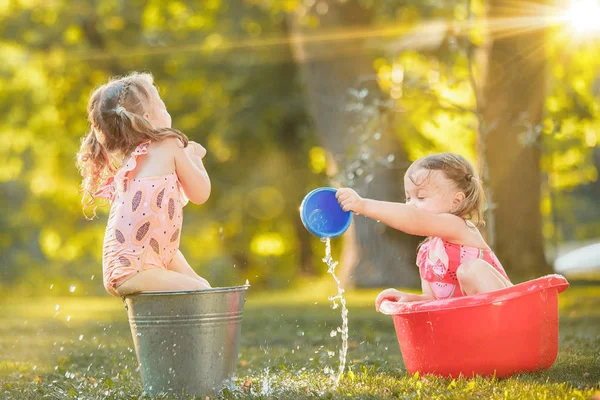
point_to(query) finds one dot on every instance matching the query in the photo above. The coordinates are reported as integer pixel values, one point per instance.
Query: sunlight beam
(584, 16)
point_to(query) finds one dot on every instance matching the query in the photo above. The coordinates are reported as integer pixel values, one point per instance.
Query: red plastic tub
(496, 333)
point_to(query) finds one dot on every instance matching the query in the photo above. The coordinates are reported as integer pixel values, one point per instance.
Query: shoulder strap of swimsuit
(121, 178)
(120, 181)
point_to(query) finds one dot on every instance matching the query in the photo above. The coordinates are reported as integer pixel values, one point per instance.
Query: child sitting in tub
(159, 171)
(444, 201)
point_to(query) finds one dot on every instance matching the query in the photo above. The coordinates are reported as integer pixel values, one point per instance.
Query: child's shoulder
(170, 146)
(167, 143)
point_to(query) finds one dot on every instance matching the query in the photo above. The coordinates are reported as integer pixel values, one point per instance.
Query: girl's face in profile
(158, 114)
(431, 191)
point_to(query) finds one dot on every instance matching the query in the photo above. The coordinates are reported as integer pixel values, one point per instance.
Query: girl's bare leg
(180, 264)
(478, 276)
(154, 279)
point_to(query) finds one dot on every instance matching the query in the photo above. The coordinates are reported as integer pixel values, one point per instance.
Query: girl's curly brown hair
(117, 126)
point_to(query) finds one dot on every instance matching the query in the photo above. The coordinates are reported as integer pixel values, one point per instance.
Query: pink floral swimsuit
(438, 261)
(144, 224)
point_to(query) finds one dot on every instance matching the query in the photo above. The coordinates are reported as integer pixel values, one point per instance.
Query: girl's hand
(395, 296)
(350, 200)
(194, 148)
(190, 170)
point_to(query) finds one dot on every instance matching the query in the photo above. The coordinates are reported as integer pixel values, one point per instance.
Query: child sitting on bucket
(159, 171)
(444, 201)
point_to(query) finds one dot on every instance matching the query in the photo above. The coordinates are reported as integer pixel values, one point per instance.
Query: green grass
(84, 350)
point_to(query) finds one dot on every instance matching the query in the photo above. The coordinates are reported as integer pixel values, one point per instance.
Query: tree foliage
(226, 73)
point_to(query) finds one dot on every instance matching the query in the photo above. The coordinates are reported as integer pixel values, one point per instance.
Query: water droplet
(80, 337)
(51, 286)
(333, 333)
(68, 318)
(391, 158)
(56, 307)
(92, 277)
(72, 288)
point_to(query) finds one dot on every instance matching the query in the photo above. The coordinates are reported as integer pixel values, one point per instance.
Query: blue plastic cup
(322, 215)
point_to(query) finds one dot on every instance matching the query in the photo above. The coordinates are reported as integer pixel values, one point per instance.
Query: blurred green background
(289, 95)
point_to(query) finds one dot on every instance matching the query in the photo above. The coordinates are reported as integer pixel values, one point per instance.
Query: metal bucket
(186, 342)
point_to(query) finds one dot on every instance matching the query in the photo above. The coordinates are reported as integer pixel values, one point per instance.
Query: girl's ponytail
(93, 161)
(472, 207)
(132, 128)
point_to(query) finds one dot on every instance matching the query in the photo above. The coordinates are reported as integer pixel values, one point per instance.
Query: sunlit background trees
(288, 95)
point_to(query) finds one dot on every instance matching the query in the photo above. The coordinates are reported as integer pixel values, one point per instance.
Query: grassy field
(81, 348)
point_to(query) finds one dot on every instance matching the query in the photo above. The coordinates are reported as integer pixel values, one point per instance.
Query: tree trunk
(514, 94)
(374, 255)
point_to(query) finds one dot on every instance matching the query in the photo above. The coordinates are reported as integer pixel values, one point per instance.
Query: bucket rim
(241, 288)
(553, 281)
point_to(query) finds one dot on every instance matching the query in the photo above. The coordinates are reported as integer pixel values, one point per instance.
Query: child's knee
(201, 285)
(469, 270)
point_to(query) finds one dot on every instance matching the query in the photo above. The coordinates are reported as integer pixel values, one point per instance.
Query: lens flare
(584, 16)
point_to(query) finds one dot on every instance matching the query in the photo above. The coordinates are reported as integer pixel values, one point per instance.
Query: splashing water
(266, 386)
(343, 330)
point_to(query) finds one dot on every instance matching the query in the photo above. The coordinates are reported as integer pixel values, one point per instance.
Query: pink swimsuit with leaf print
(144, 223)
(438, 261)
